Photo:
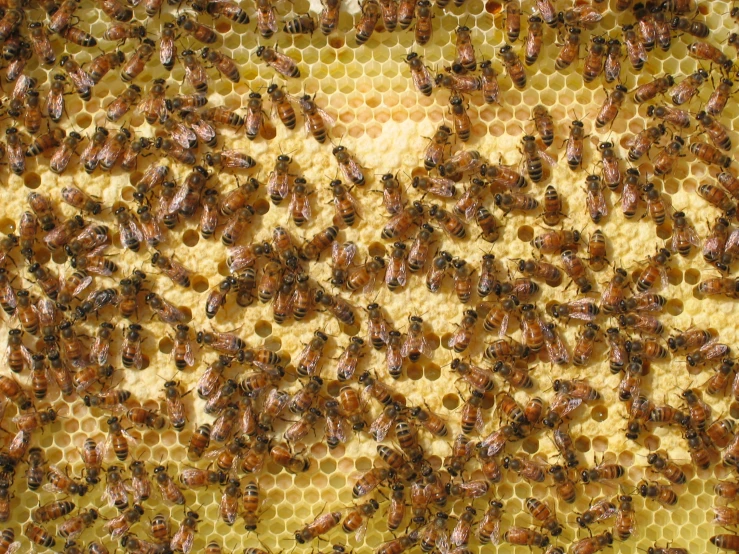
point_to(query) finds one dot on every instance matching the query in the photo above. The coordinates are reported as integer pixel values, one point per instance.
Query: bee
(465, 55)
(688, 87)
(300, 25)
(513, 66)
(715, 130)
(319, 526)
(656, 491)
(543, 514)
(415, 343)
(184, 537)
(36, 473)
(665, 160)
(511, 409)
(195, 29)
(684, 236)
(718, 198)
(42, 144)
(569, 50)
(525, 537)
(371, 12)
(534, 40)
(38, 535)
(284, 65)
(129, 229)
(635, 49)
(704, 51)
(544, 124)
(710, 154)
(344, 203)
(590, 545)
(41, 44)
(644, 140)
(693, 27)
(254, 120)
(598, 54)
(649, 91)
(719, 97)
(656, 204)
(488, 276)
(16, 151)
(169, 490)
(266, 18)
(281, 103)
(611, 107)
(329, 16)
(489, 82)
(719, 381)
(424, 28)
(667, 468)
(60, 482)
(677, 117)
(115, 489)
(349, 167)
(51, 511)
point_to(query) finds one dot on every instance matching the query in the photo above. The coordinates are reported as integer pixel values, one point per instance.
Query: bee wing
(380, 427)
(327, 118)
(13, 547)
(504, 325)
(471, 209)
(407, 346)
(722, 513)
(362, 531)
(495, 535)
(692, 236)
(204, 130)
(551, 160)
(425, 348)
(371, 283)
(479, 422)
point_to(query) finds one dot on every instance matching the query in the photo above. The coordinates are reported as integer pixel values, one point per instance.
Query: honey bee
(704, 51)
(666, 159)
(51, 511)
(349, 167)
(644, 140)
(284, 65)
(656, 491)
(611, 107)
(688, 87)
(569, 50)
(329, 16)
(42, 144)
(590, 545)
(598, 54)
(371, 12)
(465, 51)
(184, 537)
(720, 380)
(649, 91)
(719, 97)
(675, 116)
(424, 28)
(544, 124)
(60, 482)
(543, 514)
(715, 130)
(635, 49)
(684, 236)
(718, 198)
(534, 40)
(525, 537)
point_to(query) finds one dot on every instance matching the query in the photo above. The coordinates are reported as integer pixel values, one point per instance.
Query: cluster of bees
(72, 328)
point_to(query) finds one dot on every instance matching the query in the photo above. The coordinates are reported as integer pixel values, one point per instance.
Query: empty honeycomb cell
(199, 284)
(32, 180)
(530, 445)
(450, 401)
(525, 233)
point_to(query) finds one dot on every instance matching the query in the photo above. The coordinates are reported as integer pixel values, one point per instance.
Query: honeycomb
(384, 122)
